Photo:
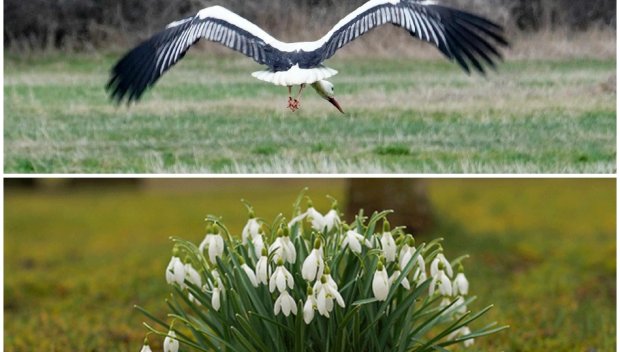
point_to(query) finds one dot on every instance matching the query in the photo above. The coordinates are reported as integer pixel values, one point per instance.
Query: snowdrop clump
(316, 282)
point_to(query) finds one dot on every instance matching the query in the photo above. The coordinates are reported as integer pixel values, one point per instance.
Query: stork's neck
(319, 89)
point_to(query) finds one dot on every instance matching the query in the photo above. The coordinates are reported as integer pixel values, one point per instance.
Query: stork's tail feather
(295, 75)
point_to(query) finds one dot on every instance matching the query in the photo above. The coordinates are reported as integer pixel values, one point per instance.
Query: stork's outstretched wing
(142, 66)
(461, 36)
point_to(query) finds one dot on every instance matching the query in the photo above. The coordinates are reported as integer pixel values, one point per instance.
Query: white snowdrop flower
(326, 291)
(146, 348)
(332, 288)
(175, 272)
(407, 252)
(317, 219)
(354, 241)
(380, 283)
(286, 304)
(192, 275)
(170, 342)
(258, 244)
(283, 248)
(462, 332)
(323, 304)
(460, 286)
(262, 269)
(313, 265)
(419, 275)
(214, 244)
(389, 246)
(404, 281)
(250, 230)
(280, 279)
(215, 298)
(250, 273)
(309, 306)
(332, 219)
(440, 258)
(442, 283)
(309, 309)
(322, 222)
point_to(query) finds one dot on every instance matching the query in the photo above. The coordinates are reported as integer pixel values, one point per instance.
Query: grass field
(543, 251)
(210, 115)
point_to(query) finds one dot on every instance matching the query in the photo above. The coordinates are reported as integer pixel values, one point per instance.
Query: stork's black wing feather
(468, 39)
(141, 67)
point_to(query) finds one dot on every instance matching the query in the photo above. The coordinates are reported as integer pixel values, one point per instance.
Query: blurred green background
(79, 256)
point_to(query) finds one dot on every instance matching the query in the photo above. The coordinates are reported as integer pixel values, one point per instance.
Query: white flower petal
(293, 305)
(215, 298)
(281, 281)
(313, 266)
(272, 281)
(262, 270)
(192, 275)
(445, 286)
(170, 278)
(321, 302)
(406, 253)
(290, 253)
(251, 275)
(258, 244)
(338, 298)
(309, 310)
(179, 272)
(277, 306)
(289, 279)
(380, 285)
(329, 304)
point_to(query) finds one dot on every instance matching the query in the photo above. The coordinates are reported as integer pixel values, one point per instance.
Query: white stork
(468, 39)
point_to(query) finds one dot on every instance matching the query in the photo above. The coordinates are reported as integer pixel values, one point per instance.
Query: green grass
(210, 115)
(542, 251)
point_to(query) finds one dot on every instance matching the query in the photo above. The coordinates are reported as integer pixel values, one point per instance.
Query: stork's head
(326, 90)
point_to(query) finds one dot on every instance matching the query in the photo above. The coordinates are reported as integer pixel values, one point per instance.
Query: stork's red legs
(293, 104)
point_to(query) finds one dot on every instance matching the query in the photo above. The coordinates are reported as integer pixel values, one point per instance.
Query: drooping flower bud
(380, 283)
(313, 265)
(170, 342)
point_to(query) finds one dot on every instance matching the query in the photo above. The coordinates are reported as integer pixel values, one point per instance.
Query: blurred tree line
(90, 24)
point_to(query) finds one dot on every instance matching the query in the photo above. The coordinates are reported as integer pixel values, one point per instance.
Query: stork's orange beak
(335, 103)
